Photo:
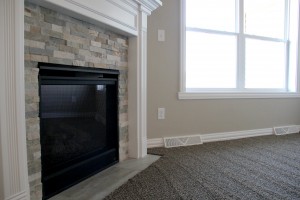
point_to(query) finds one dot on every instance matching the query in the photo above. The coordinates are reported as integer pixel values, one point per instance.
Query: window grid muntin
(241, 38)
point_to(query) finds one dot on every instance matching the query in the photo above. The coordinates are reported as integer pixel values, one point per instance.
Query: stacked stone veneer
(56, 38)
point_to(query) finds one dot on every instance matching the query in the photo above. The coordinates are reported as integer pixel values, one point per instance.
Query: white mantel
(121, 16)
(128, 17)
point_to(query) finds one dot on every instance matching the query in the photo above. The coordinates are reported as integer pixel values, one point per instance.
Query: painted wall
(1, 174)
(1, 90)
(186, 117)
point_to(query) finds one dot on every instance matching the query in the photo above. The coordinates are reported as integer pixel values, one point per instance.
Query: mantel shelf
(120, 16)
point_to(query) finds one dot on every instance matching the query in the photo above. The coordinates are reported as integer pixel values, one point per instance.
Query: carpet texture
(255, 168)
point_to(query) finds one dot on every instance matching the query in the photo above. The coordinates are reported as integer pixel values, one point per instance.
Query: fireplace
(59, 40)
(78, 124)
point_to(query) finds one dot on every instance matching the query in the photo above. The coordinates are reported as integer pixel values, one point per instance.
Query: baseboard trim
(19, 196)
(213, 137)
(156, 142)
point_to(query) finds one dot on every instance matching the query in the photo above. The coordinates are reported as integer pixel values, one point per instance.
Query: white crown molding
(84, 5)
(149, 5)
(118, 15)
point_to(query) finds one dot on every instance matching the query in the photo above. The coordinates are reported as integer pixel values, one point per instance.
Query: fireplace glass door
(73, 122)
(78, 124)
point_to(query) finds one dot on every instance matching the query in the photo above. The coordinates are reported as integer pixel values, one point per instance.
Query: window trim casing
(228, 94)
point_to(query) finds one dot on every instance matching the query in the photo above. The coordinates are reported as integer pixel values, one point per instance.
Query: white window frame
(235, 93)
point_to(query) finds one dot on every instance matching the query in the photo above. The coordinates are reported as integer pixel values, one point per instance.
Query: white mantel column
(13, 158)
(137, 84)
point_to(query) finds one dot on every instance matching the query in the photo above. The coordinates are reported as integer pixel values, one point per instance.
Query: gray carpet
(255, 168)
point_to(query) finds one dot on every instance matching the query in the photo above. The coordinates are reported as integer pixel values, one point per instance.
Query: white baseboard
(213, 137)
(156, 142)
(19, 196)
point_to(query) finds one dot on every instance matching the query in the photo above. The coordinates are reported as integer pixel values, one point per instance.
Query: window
(239, 48)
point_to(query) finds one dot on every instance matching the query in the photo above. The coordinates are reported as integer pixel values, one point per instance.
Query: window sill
(235, 95)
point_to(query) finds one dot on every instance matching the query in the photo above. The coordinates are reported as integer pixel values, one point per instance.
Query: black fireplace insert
(78, 124)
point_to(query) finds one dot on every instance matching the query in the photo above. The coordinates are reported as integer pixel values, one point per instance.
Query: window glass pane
(210, 60)
(265, 18)
(211, 14)
(265, 64)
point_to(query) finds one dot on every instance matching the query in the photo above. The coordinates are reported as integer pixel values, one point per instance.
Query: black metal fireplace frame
(57, 180)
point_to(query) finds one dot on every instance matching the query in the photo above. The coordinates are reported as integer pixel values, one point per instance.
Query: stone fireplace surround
(53, 37)
(14, 181)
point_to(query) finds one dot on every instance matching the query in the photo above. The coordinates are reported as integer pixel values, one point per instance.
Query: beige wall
(1, 172)
(184, 117)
